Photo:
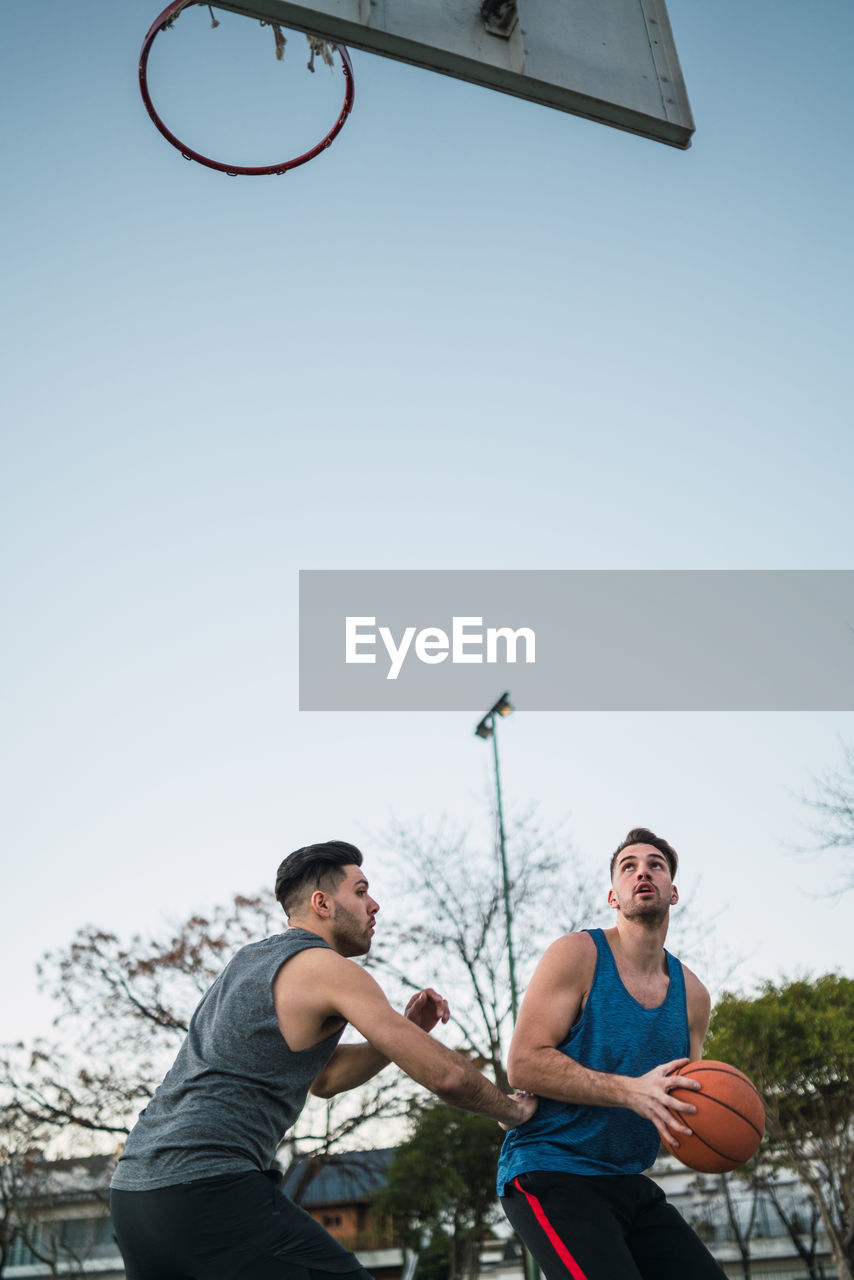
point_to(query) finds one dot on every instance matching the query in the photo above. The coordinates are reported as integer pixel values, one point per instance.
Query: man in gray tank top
(194, 1196)
(608, 1016)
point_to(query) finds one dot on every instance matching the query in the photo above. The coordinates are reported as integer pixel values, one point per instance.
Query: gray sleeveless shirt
(235, 1086)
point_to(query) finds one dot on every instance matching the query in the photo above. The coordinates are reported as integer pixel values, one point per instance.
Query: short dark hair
(315, 866)
(643, 835)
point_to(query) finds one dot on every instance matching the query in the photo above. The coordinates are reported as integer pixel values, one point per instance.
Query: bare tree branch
(833, 806)
(454, 934)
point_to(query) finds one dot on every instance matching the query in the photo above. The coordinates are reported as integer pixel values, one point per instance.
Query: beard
(650, 910)
(352, 934)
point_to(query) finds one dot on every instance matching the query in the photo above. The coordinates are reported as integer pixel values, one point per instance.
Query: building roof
(335, 1179)
(76, 1178)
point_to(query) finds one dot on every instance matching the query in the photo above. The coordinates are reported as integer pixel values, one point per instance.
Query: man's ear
(612, 900)
(320, 904)
(674, 896)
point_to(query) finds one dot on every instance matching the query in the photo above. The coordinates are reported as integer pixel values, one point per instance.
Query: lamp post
(486, 730)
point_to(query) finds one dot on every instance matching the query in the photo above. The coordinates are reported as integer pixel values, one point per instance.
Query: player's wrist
(627, 1092)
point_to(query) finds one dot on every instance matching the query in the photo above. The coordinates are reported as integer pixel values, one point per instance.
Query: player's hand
(650, 1097)
(525, 1104)
(426, 1008)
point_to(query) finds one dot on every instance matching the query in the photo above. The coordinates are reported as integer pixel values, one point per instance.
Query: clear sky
(475, 333)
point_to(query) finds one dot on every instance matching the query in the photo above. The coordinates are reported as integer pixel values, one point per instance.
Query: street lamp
(486, 730)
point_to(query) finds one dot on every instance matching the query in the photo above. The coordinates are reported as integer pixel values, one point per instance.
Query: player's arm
(339, 988)
(699, 1005)
(552, 1005)
(354, 1064)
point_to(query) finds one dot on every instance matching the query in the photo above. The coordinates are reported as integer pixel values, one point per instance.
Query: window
(74, 1235)
(20, 1254)
(103, 1232)
(64, 1239)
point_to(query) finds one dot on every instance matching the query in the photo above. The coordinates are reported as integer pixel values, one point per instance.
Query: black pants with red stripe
(604, 1228)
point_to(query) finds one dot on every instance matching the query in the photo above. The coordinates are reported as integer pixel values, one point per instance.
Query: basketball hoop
(166, 18)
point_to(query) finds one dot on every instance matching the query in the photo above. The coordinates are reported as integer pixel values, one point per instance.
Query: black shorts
(235, 1225)
(605, 1228)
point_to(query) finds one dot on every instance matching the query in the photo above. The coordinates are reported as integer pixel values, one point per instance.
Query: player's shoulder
(578, 942)
(322, 980)
(302, 950)
(696, 993)
(261, 954)
(570, 953)
(318, 959)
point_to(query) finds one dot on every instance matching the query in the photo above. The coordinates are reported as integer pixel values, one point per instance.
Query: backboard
(613, 61)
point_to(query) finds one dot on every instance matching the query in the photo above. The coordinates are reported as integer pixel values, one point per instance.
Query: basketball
(729, 1121)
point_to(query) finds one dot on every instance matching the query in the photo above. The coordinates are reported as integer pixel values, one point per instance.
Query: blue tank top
(614, 1034)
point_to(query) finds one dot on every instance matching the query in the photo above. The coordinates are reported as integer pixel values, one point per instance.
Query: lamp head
(502, 707)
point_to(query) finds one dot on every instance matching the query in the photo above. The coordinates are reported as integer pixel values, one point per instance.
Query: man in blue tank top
(194, 1196)
(608, 1016)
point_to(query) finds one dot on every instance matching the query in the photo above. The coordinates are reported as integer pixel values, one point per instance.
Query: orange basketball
(729, 1121)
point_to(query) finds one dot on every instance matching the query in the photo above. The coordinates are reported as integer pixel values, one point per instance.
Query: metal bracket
(499, 17)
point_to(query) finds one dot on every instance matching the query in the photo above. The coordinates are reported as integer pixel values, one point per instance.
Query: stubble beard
(649, 912)
(352, 936)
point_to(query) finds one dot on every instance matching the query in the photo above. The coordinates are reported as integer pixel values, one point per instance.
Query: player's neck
(323, 928)
(641, 944)
(308, 925)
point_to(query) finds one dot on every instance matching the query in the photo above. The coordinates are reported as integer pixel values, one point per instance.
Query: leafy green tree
(440, 1190)
(796, 1042)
